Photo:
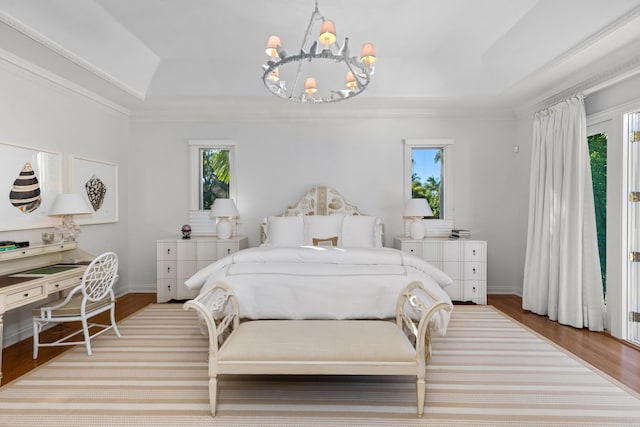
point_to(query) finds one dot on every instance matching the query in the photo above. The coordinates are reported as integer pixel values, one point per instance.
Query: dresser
(33, 273)
(465, 261)
(179, 259)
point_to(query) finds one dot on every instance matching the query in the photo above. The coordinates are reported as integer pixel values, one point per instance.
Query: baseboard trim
(504, 290)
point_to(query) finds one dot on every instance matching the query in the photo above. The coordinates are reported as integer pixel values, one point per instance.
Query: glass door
(632, 138)
(597, 141)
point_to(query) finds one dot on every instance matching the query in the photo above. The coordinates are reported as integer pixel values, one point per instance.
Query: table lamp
(65, 206)
(223, 209)
(416, 209)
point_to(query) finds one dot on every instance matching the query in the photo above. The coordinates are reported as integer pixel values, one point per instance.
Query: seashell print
(25, 192)
(336, 203)
(96, 190)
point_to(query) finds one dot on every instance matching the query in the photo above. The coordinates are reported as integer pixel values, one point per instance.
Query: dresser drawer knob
(26, 294)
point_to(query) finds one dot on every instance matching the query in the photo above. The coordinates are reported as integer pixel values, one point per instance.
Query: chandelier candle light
(358, 72)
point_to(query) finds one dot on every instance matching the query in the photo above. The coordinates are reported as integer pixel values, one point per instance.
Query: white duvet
(311, 282)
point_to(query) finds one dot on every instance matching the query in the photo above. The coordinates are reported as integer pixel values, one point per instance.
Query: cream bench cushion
(317, 340)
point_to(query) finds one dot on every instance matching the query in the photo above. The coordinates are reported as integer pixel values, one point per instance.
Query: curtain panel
(562, 267)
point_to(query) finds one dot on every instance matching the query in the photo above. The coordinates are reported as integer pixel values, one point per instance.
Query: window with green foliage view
(426, 177)
(215, 176)
(598, 154)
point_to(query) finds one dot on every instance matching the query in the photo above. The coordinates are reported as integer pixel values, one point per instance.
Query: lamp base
(68, 229)
(417, 229)
(224, 228)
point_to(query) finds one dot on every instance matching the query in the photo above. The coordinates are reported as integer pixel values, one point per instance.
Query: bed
(323, 259)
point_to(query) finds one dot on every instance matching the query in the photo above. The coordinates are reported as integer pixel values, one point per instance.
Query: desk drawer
(25, 296)
(59, 285)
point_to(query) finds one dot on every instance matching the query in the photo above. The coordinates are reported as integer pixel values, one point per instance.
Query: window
(427, 174)
(212, 176)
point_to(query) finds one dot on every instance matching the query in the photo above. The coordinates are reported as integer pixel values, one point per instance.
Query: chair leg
(420, 386)
(87, 337)
(213, 394)
(113, 320)
(36, 338)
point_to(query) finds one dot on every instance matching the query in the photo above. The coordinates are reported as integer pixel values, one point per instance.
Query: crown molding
(215, 109)
(29, 68)
(68, 55)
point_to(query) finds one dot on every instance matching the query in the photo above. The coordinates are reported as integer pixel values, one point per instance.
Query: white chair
(94, 295)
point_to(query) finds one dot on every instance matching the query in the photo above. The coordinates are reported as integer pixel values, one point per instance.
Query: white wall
(361, 157)
(38, 113)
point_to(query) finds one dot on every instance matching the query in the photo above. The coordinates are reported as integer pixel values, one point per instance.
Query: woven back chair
(94, 295)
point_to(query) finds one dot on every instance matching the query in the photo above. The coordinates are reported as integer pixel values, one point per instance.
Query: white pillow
(322, 227)
(361, 231)
(284, 231)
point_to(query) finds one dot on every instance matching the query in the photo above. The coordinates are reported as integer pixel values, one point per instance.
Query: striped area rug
(487, 371)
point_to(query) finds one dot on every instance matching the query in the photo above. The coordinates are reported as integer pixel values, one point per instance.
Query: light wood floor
(610, 355)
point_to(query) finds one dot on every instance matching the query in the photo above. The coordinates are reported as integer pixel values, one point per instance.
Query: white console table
(179, 259)
(465, 261)
(20, 285)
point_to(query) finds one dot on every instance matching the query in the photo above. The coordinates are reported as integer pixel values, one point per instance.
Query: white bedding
(314, 282)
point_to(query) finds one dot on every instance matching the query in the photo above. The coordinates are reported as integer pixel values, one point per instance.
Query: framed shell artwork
(97, 182)
(30, 179)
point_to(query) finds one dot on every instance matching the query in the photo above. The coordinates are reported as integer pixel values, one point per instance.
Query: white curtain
(562, 267)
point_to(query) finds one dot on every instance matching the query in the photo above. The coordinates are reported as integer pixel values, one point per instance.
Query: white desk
(18, 290)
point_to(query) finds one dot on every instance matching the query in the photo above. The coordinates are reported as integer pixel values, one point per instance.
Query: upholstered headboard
(319, 200)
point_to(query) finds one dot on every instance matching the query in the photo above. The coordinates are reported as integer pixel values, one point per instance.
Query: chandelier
(324, 64)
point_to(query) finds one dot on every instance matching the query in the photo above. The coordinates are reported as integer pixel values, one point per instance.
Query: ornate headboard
(321, 201)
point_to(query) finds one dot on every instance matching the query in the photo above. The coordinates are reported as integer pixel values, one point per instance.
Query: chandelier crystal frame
(358, 71)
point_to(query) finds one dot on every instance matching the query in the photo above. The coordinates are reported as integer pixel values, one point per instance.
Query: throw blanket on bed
(311, 282)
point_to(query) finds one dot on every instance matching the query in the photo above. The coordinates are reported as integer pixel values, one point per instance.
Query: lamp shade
(223, 208)
(350, 80)
(273, 44)
(69, 204)
(310, 86)
(417, 208)
(327, 32)
(368, 54)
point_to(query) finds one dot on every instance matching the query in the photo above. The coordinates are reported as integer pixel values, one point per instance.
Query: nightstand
(179, 259)
(465, 261)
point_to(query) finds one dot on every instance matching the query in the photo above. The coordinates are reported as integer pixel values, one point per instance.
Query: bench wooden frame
(317, 347)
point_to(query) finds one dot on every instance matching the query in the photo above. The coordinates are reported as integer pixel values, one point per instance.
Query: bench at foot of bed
(317, 347)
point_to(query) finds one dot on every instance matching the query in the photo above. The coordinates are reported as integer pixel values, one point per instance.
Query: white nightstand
(179, 259)
(465, 261)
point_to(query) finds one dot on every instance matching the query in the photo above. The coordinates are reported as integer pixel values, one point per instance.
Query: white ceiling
(452, 50)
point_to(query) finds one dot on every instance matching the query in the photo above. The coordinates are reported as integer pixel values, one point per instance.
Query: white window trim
(447, 186)
(195, 146)
(199, 219)
(435, 227)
